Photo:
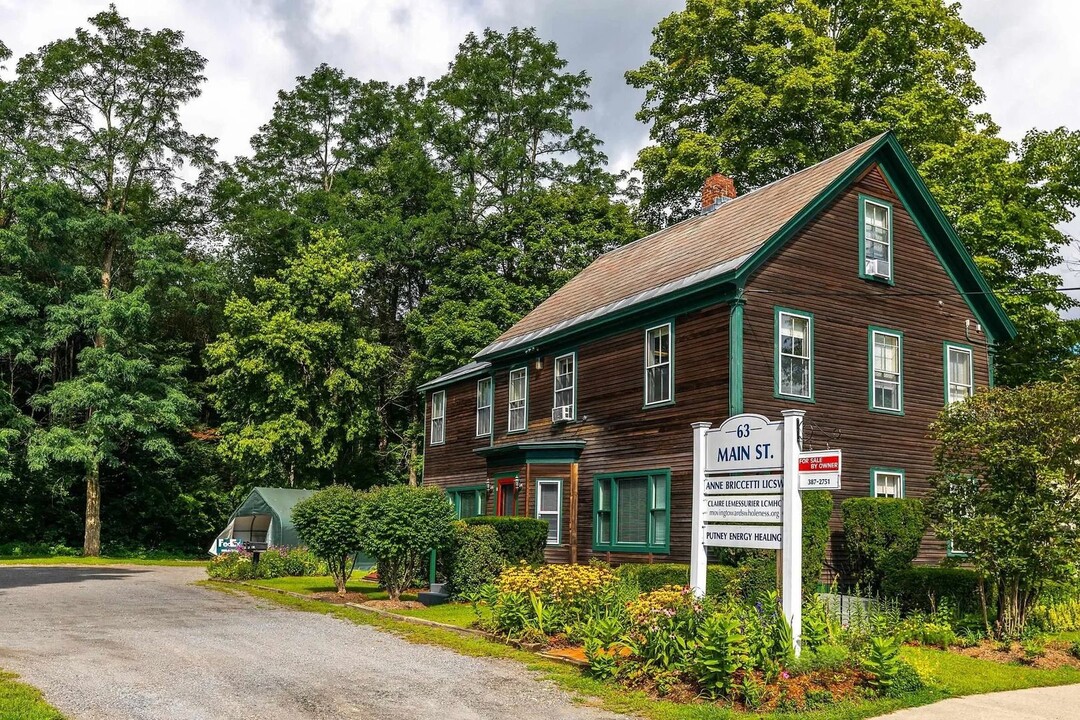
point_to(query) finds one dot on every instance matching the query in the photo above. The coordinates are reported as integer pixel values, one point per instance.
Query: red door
(506, 504)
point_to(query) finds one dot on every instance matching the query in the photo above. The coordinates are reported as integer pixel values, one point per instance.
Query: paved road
(1053, 703)
(128, 643)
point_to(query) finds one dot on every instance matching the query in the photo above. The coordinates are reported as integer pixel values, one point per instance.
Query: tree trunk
(412, 464)
(92, 537)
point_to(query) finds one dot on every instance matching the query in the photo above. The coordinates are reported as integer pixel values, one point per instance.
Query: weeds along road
(119, 643)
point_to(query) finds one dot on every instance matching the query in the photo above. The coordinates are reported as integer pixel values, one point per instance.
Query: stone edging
(472, 632)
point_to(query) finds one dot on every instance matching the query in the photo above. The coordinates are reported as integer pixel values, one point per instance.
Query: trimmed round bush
(521, 539)
(882, 536)
(329, 523)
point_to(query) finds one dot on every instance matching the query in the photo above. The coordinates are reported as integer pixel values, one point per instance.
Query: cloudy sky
(1028, 67)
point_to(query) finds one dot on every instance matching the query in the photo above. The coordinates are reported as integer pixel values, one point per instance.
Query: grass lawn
(960, 675)
(79, 560)
(460, 614)
(22, 702)
(310, 585)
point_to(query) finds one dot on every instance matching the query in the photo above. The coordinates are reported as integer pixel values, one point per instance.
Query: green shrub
(721, 652)
(882, 536)
(38, 549)
(232, 566)
(329, 522)
(905, 681)
(720, 580)
(473, 558)
(287, 562)
(924, 588)
(399, 526)
(521, 539)
(1062, 616)
(824, 657)
(882, 661)
(817, 511)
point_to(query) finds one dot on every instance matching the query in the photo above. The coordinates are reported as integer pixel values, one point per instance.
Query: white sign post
(747, 483)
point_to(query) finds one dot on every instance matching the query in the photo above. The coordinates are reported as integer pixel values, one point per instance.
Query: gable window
(484, 387)
(794, 354)
(438, 417)
(565, 386)
(630, 511)
(887, 483)
(658, 375)
(468, 501)
(959, 373)
(876, 252)
(519, 390)
(886, 370)
(549, 507)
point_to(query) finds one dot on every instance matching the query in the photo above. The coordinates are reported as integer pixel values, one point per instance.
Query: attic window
(876, 251)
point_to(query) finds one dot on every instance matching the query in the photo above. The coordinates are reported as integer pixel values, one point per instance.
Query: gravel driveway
(121, 642)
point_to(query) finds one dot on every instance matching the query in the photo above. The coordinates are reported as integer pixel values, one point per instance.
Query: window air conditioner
(562, 413)
(877, 268)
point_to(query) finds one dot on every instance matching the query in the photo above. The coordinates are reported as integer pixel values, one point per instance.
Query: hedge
(817, 507)
(521, 539)
(473, 559)
(720, 580)
(921, 588)
(882, 536)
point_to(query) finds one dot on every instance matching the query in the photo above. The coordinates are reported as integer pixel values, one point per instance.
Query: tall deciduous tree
(294, 372)
(758, 89)
(108, 103)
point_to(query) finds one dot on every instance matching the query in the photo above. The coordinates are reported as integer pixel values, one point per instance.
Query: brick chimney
(717, 190)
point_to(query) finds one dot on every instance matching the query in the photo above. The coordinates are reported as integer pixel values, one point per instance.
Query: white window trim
(557, 513)
(901, 485)
(510, 402)
(780, 354)
(888, 232)
(970, 384)
(899, 409)
(670, 326)
(442, 418)
(490, 407)
(573, 383)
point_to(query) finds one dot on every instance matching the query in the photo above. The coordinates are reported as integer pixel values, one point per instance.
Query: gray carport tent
(265, 516)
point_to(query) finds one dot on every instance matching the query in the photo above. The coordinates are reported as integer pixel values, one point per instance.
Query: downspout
(735, 354)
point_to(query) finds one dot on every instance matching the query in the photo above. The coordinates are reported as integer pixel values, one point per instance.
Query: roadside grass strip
(19, 701)
(960, 675)
(325, 584)
(571, 679)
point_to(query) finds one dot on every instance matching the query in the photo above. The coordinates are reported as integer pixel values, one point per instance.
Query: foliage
(924, 587)
(882, 536)
(758, 90)
(399, 526)
(1061, 616)
(722, 651)
(882, 661)
(294, 370)
(330, 522)
(817, 507)
(1006, 489)
(720, 580)
(474, 558)
(287, 562)
(521, 539)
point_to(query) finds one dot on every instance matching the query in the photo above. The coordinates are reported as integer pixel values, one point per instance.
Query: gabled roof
(729, 243)
(471, 369)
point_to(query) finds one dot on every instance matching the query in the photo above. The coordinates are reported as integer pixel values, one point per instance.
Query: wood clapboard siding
(818, 273)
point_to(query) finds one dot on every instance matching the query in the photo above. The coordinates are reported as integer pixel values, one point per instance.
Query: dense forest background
(175, 329)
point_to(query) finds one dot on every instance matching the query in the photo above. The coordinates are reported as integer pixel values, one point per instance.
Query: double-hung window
(887, 483)
(468, 501)
(566, 384)
(794, 354)
(631, 511)
(549, 507)
(877, 250)
(658, 369)
(959, 373)
(886, 370)
(519, 399)
(484, 388)
(438, 418)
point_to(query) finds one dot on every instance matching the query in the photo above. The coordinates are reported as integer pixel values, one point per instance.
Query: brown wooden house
(841, 290)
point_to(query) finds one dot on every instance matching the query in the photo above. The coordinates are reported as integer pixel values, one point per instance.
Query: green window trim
(870, 333)
(947, 347)
(441, 419)
(480, 497)
(778, 312)
(950, 552)
(574, 386)
(901, 486)
(558, 514)
(888, 206)
(510, 430)
(653, 505)
(670, 399)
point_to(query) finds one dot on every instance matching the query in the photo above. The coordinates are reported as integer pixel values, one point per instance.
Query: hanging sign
(744, 508)
(739, 484)
(756, 537)
(819, 470)
(744, 443)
